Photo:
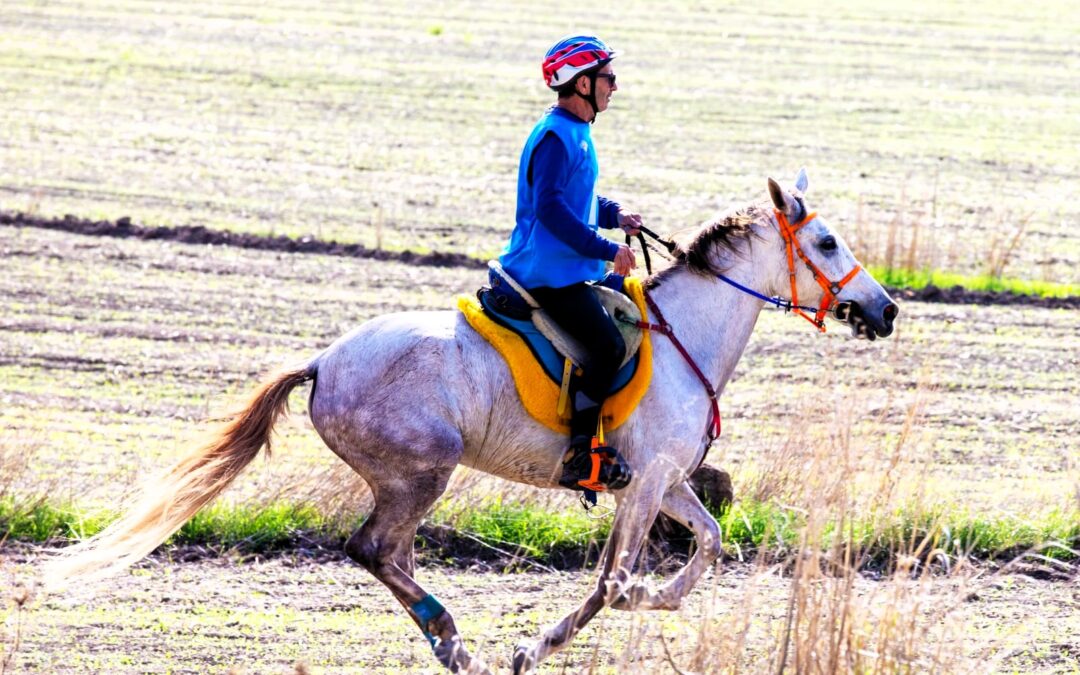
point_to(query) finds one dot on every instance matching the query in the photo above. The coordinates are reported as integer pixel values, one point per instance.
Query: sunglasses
(610, 77)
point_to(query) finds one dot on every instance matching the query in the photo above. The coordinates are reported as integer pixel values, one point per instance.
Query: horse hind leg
(383, 546)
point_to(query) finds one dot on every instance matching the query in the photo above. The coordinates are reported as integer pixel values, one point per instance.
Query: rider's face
(605, 87)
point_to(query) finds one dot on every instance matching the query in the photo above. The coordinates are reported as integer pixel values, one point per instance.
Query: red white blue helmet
(572, 55)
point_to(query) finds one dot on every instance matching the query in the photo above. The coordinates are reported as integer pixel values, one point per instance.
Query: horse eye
(828, 244)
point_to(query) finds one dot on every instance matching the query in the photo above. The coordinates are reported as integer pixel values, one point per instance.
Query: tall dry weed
(1003, 247)
(921, 234)
(22, 491)
(824, 608)
(18, 598)
(16, 454)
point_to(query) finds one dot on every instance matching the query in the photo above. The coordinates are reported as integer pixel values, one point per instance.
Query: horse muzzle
(867, 324)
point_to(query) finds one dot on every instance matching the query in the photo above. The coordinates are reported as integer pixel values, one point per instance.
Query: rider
(555, 250)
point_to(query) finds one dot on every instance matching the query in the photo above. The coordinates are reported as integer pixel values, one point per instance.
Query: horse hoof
(522, 662)
(477, 667)
(451, 654)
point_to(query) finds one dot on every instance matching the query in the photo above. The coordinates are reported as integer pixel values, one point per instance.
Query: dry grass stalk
(379, 218)
(1003, 248)
(913, 257)
(915, 239)
(894, 229)
(860, 241)
(836, 621)
(18, 600)
(11, 639)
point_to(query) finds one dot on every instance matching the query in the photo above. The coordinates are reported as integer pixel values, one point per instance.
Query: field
(263, 617)
(944, 137)
(401, 124)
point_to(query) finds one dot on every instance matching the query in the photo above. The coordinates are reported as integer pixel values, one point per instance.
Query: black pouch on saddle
(503, 299)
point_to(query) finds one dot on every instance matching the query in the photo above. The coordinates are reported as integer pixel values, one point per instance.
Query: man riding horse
(407, 397)
(555, 251)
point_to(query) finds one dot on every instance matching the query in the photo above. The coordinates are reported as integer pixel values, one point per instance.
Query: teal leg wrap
(427, 609)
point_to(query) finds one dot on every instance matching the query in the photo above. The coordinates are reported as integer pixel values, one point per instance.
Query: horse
(406, 397)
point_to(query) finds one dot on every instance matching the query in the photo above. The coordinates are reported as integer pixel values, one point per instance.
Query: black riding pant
(578, 311)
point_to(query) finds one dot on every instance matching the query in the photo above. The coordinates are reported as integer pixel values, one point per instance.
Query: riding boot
(587, 465)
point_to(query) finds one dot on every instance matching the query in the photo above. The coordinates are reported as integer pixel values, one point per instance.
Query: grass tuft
(921, 278)
(534, 530)
(546, 536)
(254, 528)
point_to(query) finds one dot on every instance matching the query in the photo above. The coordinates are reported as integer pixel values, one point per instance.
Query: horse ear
(802, 181)
(779, 199)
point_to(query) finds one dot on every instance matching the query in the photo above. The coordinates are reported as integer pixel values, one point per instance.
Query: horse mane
(728, 231)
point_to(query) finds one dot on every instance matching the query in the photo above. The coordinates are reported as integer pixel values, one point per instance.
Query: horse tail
(177, 494)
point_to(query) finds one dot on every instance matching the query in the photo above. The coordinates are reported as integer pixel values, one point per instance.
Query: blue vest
(536, 257)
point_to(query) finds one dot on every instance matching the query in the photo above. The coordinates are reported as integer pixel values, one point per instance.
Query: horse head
(818, 269)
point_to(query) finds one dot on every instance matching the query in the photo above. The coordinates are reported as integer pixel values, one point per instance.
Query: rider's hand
(630, 222)
(624, 260)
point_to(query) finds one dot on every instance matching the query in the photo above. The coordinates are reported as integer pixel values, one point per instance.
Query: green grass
(41, 521)
(530, 529)
(544, 535)
(255, 528)
(919, 279)
(958, 531)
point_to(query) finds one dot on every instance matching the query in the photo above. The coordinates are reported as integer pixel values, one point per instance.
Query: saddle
(541, 356)
(507, 297)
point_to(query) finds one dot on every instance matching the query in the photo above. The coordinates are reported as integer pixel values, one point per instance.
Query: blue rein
(780, 303)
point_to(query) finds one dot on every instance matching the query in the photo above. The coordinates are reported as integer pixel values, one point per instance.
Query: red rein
(828, 301)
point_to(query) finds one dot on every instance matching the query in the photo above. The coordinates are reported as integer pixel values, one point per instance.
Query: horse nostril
(890, 312)
(888, 315)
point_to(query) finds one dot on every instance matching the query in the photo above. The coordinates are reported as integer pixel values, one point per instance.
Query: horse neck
(711, 319)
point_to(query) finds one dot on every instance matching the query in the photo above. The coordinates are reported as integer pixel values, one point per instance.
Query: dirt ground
(955, 123)
(266, 616)
(164, 334)
(123, 228)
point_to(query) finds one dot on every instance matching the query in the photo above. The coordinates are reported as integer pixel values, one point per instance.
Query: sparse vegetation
(886, 493)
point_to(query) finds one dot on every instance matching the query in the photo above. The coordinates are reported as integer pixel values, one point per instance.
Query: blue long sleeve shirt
(549, 165)
(555, 241)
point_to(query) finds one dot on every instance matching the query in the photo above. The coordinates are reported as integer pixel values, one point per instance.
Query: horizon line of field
(199, 235)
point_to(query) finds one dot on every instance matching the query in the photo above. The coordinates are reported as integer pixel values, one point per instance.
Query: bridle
(831, 288)
(791, 245)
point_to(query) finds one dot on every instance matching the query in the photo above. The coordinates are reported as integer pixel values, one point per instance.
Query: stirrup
(607, 469)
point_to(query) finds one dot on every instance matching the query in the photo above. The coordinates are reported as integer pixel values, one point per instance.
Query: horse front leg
(633, 518)
(682, 504)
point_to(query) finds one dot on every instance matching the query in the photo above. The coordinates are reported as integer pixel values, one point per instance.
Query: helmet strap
(591, 96)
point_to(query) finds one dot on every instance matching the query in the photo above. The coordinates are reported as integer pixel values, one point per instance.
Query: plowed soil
(265, 617)
(123, 228)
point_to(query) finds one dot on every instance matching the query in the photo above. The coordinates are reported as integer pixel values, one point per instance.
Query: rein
(787, 232)
(664, 328)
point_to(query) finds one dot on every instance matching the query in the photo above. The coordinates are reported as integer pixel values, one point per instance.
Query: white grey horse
(407, 397)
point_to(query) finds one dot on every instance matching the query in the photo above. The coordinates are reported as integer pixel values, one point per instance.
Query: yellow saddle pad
(538, 392)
